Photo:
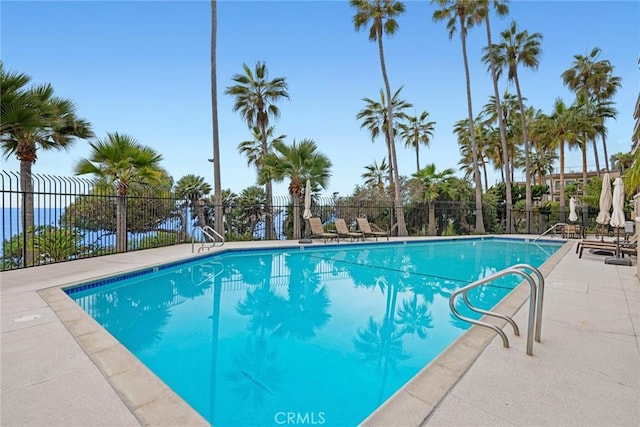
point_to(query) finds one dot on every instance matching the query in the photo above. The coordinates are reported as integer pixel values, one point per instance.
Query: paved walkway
(59, 368)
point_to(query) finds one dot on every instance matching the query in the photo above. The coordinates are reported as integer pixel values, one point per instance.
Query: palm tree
(481, 134)
(417, 131)
(560, 128)
(194, 189)
(252, 148)
(120, 160)
(217, 192)
(501, 10)
(519, 47)
(298, 162)
(594, 79)
(382, 14)
(374, 119)
(467, 14)
(252, 201)
(34, 119)
(255, 99)
(375, 175)
(434, 185)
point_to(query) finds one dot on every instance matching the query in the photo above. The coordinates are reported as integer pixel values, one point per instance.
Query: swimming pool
(323, 335)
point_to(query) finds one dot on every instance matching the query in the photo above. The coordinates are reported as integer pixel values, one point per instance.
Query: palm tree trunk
(604, 147)
(217, 192)
(296, 215)
(563, 206)
(474, 145)
(270, 231)
(121, 223)
(527, 158)
(432, 218)
(503, 133)
(595, 155)
(402, 227)
(26, 186)
(584, 165)
(417, 157)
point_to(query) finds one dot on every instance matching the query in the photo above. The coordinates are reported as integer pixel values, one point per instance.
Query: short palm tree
(465, 14)
(375, 175)
(298, 162)
(252, 148)
(120, 160)
(33, 119)
(435, 184)
(382, 14)
(193, 189)
(519, 48)
(255, 98)
(417, 131)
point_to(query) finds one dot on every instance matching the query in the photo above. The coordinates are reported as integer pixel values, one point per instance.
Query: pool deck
(60, 368)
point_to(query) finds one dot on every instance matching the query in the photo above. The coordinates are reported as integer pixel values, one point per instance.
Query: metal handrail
(535, 304)
(211, 234)
(552, 228)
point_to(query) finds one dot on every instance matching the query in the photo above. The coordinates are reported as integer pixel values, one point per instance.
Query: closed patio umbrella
(618, 221)
(604, 217)
(572, 210)
(307, 210)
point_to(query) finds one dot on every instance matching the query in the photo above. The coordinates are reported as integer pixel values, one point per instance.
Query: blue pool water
(319, 335)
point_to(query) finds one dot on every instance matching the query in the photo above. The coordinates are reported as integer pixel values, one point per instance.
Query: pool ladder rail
(527, 272)
(211, 234)
(550, 229)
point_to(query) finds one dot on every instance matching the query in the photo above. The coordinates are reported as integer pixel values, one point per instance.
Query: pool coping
(413, 403)
(152, 402)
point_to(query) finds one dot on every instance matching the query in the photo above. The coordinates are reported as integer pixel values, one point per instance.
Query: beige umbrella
(307, 211)
(307, 201)
(618, 221)
(605, 201)
(572, 210)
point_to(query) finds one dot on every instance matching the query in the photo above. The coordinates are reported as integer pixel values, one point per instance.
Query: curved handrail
(533, 302)
(540, 298)
(552, 228)
(211, 234)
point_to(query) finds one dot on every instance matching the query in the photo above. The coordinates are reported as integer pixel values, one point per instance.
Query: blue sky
(142, 68)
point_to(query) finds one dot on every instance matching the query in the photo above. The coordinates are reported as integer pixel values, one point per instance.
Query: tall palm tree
(217, 185)
(466, 14)
(418, 130)
(255, 99)
(375, 174)
(434, 185)
(193, 188)
(594, 79)
(299, 163)
(374, 119)
(34, 119)
(519, 48)
(382, 16)
(120, 160)
(501, 9)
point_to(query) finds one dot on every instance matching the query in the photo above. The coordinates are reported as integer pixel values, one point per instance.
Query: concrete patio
(60, 368)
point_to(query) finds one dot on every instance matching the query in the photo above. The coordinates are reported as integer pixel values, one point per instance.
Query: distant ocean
(12, 225)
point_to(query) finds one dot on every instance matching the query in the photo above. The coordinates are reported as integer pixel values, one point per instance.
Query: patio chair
(626, 246)
(343, 230)
(317, 230)
(365, 227)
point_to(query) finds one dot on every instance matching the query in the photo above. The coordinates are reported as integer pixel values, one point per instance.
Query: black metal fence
(59, 219)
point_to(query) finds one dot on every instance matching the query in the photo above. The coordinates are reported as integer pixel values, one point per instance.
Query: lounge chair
(365, 227)
(628, 246)
(317, 230)
(343, 230)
